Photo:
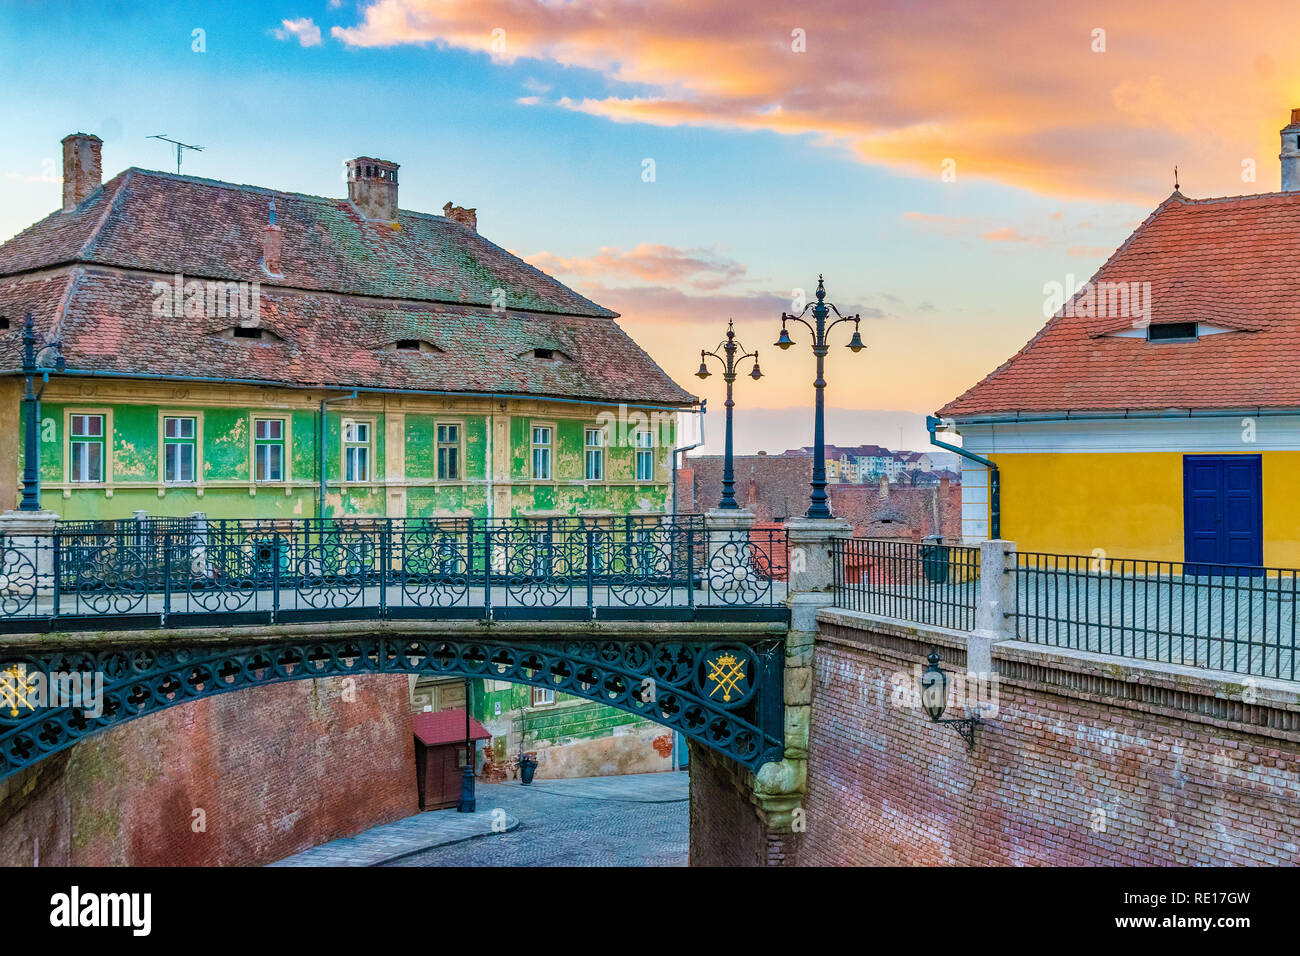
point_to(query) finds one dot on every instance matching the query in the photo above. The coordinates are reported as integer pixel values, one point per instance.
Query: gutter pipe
(995, 478)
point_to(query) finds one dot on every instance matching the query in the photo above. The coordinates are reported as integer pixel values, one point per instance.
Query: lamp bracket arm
(800, 319)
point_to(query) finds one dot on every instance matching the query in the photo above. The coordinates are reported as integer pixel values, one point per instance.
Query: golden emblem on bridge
(16, 690)
(726, 671)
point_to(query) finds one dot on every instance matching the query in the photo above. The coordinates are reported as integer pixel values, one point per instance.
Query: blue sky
(951, 274)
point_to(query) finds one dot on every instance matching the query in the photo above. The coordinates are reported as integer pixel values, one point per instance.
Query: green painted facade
(492, 451)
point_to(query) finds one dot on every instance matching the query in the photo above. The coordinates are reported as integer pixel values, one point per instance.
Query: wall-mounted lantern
(934, 698)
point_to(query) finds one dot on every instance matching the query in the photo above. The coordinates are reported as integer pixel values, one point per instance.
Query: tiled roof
(350, 287)
(437, 727)
(1232, 263)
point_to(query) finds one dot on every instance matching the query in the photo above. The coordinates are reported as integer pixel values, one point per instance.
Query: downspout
(320, 500)
(704, 407)
(995, 479)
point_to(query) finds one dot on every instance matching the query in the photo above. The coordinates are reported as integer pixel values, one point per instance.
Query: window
(645, 456)
(268, 449)
(179, 449)
(541, 453)
(595, 445)
(356, 450)
(408, 345)
(449, 453)
(1169, 331)
(86, 452)
(544, 353)
(542, 696)
(242, 332)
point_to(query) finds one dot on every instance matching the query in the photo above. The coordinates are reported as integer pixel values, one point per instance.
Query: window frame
(102, 440)
(534, 447)
(282, 442)
(547, 699)
(440, 445)
(593, 452)
(194, 441)
(644, 452)
(346, 445)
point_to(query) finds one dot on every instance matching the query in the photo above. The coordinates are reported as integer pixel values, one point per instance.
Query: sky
(688, 162)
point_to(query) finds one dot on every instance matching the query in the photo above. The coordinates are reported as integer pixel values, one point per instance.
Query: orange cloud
(1015, 91)
(701, 268)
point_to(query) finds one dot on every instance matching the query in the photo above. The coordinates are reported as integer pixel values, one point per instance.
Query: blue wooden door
(1223, 511)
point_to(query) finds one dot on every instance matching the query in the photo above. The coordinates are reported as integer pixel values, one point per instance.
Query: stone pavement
(392, 841)
(632, 820)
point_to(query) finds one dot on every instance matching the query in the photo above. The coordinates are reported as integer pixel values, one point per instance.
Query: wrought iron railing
(1225, 617)
(104, 575)
(923, 582)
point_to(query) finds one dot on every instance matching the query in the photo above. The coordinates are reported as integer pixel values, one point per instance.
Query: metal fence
(139, 574)
(923, 582)
(1231, 618)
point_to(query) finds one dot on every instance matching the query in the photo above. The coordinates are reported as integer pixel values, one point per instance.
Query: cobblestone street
(633, 820)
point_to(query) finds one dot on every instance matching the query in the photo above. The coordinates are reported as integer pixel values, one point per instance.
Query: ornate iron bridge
(388, 583)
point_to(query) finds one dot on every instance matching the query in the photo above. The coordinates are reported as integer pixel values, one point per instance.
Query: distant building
(775, 487)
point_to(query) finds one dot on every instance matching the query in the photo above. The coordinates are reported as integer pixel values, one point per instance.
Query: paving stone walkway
(392, 841)
(631, 820)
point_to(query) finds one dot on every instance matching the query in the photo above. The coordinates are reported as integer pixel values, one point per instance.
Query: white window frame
(593, 454)
(543, 696)
(645, 456)
(358, 450)
(180, 442)
(281, 442)
(87, 442)
(544, 449)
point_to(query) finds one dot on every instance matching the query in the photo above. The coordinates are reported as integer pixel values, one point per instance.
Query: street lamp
(817, 501)
(33, 365)
(733, 353)
(934, 698)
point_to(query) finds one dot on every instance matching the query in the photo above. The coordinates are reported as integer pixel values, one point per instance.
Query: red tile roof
(350, 288)
(436, 727)
(1232, 263)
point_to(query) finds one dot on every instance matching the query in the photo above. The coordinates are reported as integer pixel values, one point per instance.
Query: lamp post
(817, 501)
(934, 698)
(732, 354)
(467, 802)
(31, 500)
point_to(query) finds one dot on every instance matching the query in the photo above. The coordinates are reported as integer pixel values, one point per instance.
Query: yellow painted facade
(1130, 504)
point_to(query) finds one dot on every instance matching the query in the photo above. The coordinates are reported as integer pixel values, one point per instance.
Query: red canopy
(434, 728)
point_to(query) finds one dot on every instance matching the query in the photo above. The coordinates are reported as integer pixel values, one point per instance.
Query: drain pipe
(704, 407)
(995, 479)
(320, 498)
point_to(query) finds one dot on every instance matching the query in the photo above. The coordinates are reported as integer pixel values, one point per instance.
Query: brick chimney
(372, 187)
(83, 171)
(272, 243)
(1290, 154)
(466, 217)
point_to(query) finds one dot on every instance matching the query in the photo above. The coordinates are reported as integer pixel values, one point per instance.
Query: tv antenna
(179, 147)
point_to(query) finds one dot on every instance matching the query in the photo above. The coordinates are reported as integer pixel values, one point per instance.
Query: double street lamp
(34, 360)
(821, 311)
(732, 353)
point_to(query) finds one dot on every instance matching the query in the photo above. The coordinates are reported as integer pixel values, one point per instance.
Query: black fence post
(591, 571)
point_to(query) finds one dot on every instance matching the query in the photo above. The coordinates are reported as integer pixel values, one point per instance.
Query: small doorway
(1223, 512)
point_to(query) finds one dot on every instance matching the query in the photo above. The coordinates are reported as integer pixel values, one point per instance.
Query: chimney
(272, 243)
(466, 217)
(372, 187)
(83, 171)
(1290, 155)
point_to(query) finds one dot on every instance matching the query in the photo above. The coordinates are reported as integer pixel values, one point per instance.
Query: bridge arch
(725, 693)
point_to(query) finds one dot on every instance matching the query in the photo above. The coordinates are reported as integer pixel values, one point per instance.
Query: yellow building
(1157, 414)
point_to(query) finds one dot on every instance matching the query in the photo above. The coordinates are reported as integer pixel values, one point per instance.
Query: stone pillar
(780, 786)
(995, 603)
(26, 560)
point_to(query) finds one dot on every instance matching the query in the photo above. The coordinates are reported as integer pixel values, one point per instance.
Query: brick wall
(726, 829)
(275, 770)
(1087, 762)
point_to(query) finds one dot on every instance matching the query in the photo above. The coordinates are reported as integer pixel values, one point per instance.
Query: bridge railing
(1226, 617)
(922, 582)
(102, 575)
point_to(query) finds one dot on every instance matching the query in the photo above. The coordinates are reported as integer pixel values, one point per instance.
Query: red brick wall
(889, 787)
(725, 827)
(275, 769)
